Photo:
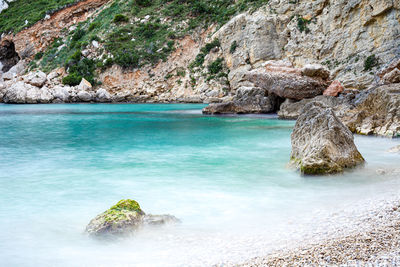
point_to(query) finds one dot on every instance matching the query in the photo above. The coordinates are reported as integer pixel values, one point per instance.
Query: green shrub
(370, 62)
(72, 79)
(119, 18)
(234, 45)
(93, 26)
(216, 66)
(78, 34)
(39, 55)
(143, 3)
(302, 24)
(127, 60)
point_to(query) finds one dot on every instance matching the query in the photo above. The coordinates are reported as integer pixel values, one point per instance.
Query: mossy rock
(123, 218)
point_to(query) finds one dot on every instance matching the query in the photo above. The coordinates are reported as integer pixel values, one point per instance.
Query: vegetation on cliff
(24, 13)
(135, 33)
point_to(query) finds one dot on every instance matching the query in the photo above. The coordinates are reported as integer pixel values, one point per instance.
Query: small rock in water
(123, 218)
(395, 149)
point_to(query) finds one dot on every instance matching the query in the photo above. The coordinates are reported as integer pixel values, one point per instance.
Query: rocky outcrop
(390, 74)
(8, 56)
(321, 144)
(124, 218)
(291, 110)
(247, 100)
(377, 112)
(269, 85)
(37, 78)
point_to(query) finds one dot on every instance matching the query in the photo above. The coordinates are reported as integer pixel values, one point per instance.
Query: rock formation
(123, 218)
(376, 112)
(264, 89)
(321, 144)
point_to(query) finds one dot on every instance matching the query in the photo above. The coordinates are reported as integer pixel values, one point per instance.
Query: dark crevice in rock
(8, 56)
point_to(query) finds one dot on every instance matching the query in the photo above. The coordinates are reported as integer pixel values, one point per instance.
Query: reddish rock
(390, 68)
(334, 89)
(392, 77)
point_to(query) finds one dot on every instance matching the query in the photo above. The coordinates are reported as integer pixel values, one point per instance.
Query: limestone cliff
(352, 39)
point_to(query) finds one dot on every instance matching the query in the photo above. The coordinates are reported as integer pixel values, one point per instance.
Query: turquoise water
(224, 177)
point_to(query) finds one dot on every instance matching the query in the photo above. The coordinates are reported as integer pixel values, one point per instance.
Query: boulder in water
(321, 143)
(123, 218)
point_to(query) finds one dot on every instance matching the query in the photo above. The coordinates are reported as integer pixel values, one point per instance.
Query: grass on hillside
(14, 18)
(135, 33)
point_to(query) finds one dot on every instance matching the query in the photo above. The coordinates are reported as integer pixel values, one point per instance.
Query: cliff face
(352, 39)
(342, 35)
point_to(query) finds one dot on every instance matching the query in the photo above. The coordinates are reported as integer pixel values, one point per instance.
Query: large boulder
(286, 84)
(61, 93)
(102, 96)
(376, 113)
(84, 85)
(17, 93)
(123, 218)
(15, 71)
(321, 144)
(85, 96)
(37, 78)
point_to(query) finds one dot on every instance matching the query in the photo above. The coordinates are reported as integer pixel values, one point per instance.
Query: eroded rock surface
(124, 218)
(321, 143)
(378, 112)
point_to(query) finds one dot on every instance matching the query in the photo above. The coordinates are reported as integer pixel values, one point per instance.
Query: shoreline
(371, 240)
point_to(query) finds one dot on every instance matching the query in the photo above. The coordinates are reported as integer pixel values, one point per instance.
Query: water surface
(224, 177)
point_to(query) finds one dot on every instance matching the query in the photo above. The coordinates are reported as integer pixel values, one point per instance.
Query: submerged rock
(321, 144)
(395, 149)
(123, 218)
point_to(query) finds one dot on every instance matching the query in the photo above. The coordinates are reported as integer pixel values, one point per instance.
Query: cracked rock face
(321, 143)
(377, 113)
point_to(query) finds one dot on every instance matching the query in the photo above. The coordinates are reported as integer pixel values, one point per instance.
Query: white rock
(3, 5)
(45, 95)
(84, 85)
(85, 52)
(103, 96)
(84, 96)
(16, 93)
(61, 93)
(52, 75)
(95, 44)
(37, 78)
(16, 70)
(32, 95)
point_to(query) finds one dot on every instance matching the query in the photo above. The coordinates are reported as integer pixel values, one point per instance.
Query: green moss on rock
(127, 204)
